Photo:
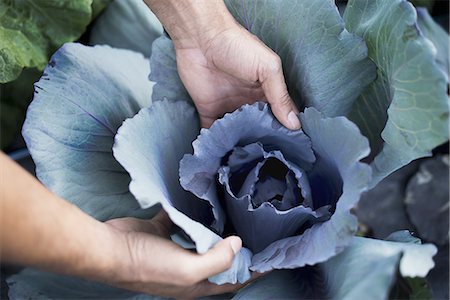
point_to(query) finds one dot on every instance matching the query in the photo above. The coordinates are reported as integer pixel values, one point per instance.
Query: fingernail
(293, 120)
(236, 244)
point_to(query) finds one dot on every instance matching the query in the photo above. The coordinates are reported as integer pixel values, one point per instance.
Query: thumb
(276, 93)
(219, 258)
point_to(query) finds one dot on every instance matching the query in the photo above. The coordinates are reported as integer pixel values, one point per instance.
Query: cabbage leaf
(79, 103)
(366, 269)
(127, 25)
(324, 65)
(405, 111)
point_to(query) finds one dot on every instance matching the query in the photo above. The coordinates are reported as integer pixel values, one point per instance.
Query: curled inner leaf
(267, 198)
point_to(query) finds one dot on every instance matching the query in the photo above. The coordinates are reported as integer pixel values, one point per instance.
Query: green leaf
(404, 112)
(410, 288)
(98, 6)
(31, 30)
(419, 289)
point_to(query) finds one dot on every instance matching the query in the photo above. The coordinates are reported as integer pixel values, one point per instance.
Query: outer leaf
(33, 284)
(79, 103)
(338, 144)
(158, 137)
(408, 103)
(409, 265)
(366, 269)
(324, 65)
(127, 24)
(278, 284)
(427, 200)
(403, 236)
(165, 74)
(387, 200)
(30, 30)
(437, 35)
(371, 266)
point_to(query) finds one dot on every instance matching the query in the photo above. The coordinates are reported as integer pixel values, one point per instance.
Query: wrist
(192, 23)
(117, 261)
(108, 261)
(96, 257)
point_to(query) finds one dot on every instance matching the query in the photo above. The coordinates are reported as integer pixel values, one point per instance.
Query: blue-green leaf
(426, 200)
(404, 113)
(370, 267)
(127, 24)
(366, 269)
(437, 35)
(158, 137)
(324, 65)
(165, 74)
(79, 103)
(34, 284)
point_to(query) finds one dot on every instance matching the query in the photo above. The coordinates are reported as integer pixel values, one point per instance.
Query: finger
(275, 89)
(217, 259)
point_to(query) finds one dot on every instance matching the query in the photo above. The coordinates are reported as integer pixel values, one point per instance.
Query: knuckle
(281, 101)
(285, 100)
(274, 64)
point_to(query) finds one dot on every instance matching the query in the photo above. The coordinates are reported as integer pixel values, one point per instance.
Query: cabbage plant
(368, 87)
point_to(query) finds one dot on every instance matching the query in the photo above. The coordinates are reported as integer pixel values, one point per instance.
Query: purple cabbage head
(287, 194)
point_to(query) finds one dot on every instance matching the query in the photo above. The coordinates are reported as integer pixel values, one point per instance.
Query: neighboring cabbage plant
(287, 194)
(32, 30)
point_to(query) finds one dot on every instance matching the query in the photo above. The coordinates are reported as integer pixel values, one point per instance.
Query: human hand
(127, 252)
(233, 68)
(151, 263)
(221, 64)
